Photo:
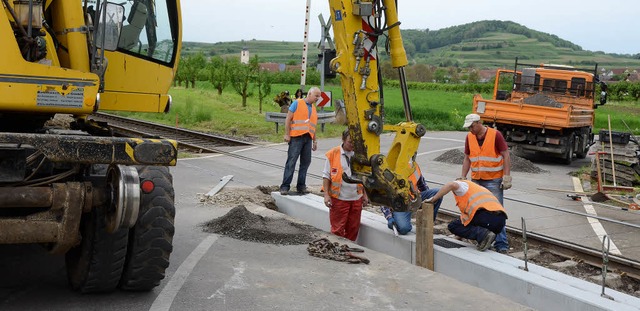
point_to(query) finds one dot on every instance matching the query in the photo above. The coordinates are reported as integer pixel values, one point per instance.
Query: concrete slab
(539, 288)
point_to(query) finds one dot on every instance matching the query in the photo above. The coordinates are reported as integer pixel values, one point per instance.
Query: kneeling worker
(482, 216)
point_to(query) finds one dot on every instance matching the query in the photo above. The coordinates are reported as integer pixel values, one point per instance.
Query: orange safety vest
(486, 163)
(477, 197)
(301, 122)
(415, 176)
(335, 163)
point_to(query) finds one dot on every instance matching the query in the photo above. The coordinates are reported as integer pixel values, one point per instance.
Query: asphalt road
(211, 272)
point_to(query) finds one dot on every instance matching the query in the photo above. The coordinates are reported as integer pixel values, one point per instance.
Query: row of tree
(249, 79)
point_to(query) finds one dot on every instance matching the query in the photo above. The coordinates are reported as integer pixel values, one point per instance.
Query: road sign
(324, 100)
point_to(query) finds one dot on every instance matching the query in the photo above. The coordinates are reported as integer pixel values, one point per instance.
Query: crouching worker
(482, 216)
(402, 220)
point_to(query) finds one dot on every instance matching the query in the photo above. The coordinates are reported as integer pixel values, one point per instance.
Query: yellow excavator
(359, 27)
(68, 184)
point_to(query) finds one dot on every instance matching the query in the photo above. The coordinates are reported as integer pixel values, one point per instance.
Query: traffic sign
(324, 100)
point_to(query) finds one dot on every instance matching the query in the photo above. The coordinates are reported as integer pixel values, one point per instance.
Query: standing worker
(402, 220)
(487, 155)
(482, 217)
(344, 200)
(300, 133)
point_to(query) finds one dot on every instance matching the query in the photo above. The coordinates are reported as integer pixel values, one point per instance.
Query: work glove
(506, 182)
(388, 215)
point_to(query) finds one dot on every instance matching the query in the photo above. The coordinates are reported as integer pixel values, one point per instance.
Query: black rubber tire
(96, 264)
(568, 156)
(582, 154)
(150, 240)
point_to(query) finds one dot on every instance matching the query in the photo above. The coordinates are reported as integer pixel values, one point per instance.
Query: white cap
(470, 118)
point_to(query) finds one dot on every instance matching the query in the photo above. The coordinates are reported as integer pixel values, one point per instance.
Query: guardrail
(280, 117)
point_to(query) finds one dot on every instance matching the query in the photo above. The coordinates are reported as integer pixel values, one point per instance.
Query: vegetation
(484, 44)
(204, 109)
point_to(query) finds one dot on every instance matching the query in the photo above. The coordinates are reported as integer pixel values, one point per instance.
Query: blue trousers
(495, 186)
(403, 219)
(299, 146)
(482, 222)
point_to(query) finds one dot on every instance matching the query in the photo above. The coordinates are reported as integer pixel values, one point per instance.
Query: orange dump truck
(544, 108)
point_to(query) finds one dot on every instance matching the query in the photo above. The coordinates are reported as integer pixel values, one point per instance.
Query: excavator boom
(359, 26)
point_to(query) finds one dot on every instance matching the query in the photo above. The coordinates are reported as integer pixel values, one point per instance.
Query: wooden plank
(424, 237)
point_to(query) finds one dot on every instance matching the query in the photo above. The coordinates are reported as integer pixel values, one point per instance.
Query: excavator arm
(358, 27)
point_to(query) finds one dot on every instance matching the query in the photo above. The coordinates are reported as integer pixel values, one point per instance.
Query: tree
(474, 76)
(263, 83)
(193, 65)
(241, 77)
(218, 73)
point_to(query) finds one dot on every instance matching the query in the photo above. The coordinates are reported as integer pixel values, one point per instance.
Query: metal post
(524, 243)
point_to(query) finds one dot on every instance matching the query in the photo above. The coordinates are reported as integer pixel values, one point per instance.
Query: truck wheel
(582, 154)
(96, 264)
(568, 156)
(151, 237)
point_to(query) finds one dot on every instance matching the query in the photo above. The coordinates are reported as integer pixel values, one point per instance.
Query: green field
(203, 109)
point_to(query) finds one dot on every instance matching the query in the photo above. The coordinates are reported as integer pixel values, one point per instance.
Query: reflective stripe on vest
(301, 123)
(475, 198)
(334, 155)
(414, 178)
(486, 163)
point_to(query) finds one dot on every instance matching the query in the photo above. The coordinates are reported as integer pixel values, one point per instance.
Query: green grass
(528, 50)
(204, 110)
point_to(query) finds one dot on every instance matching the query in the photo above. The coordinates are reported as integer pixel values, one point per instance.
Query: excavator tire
(150, 240)
(95, 265)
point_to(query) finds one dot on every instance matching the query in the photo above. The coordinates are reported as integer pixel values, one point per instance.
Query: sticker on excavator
(52, 98)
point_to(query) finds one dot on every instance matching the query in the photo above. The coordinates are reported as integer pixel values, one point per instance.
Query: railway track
(187, 139)
(589, 262)
(208, 143)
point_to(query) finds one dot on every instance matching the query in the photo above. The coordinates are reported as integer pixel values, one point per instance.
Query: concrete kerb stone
(539, 288)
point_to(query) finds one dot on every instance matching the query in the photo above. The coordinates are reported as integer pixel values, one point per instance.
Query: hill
(483, 44)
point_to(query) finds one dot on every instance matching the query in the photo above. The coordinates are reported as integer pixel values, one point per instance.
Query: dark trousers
(481, 223)
(299, 146)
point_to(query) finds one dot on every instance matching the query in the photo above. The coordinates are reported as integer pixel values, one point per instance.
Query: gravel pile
(518, 164)
(241, 224)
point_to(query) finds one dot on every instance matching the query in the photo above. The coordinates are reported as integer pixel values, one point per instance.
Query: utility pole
(324, 36)
(303, 67)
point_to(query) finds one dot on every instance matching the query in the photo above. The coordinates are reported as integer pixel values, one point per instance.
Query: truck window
(554, 86)
(148, 30)
(577, 86)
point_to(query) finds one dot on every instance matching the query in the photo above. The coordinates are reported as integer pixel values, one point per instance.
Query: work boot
(486, 242)
(284, 191)
(304, 191)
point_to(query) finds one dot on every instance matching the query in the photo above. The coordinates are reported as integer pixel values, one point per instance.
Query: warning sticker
(52, 98)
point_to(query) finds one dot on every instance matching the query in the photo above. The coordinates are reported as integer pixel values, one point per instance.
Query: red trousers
(344, 217)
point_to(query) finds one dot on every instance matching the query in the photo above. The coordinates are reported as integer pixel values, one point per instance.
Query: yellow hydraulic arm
(358, 26)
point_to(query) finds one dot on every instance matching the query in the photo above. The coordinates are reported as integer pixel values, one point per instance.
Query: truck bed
(516, 112)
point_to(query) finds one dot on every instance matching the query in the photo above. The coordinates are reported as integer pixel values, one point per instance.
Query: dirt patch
(518, 164)
(231, 197)
(241, 224)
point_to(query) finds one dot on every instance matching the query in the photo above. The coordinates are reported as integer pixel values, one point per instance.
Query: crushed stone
(518, 164)
(239, 223)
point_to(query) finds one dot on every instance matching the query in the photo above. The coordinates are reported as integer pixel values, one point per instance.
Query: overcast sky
(610, 26)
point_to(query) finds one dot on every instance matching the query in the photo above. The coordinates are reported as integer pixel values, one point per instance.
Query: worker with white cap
(486, 154)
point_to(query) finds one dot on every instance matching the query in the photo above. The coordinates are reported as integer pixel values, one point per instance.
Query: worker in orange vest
(344, 200)
(482, 216)
(300, 134)
(486, 154)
